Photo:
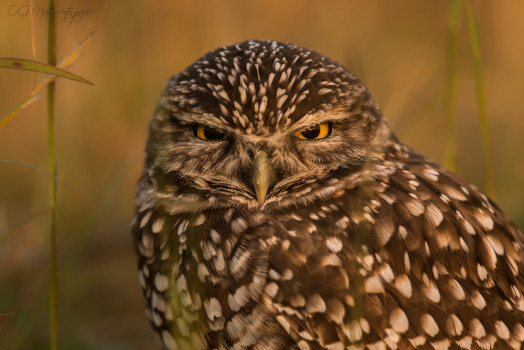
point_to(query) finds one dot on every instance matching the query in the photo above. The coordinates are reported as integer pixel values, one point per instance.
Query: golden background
(398, 48)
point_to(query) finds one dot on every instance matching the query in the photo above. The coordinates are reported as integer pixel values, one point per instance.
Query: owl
(278, 210)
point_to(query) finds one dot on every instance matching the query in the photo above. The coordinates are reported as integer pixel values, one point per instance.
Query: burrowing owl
(277, 210)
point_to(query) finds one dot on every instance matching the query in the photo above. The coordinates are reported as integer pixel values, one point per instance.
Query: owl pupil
(312, 132)
(205, 133)
(212, 134)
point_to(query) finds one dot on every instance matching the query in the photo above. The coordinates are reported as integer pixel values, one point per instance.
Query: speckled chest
(236, 268)
(365, 265)
(221, 276)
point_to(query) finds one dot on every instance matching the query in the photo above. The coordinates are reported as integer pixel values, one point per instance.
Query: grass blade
(481, 99)
(30, 65)
(27, 165)
(32, 96)
(454, 12)
(53, 300)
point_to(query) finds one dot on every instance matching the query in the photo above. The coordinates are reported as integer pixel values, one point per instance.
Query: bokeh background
(398, 48)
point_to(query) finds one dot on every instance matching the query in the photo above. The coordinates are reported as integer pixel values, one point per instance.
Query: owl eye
(205, 133)
(317, 132)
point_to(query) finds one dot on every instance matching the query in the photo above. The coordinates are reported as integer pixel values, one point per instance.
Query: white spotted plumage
(359, 242)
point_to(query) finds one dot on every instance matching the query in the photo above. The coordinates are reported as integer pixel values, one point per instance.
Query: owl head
(258, 123)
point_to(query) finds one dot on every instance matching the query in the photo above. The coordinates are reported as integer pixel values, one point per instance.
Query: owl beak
(261, 176)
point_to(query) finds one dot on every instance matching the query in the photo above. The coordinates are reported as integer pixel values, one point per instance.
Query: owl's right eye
(205, 133)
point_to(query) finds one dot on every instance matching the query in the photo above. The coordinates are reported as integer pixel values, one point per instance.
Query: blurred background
(397, 48)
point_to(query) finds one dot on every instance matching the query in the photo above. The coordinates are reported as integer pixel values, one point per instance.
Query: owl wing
(414, 258)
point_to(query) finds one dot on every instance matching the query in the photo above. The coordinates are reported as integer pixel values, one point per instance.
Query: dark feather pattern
(361, 243)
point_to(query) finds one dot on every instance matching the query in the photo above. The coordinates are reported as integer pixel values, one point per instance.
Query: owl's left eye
(205, 133)
(316, 132)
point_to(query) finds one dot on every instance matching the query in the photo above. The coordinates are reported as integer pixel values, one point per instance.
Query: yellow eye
(205, 133)
(316, 132)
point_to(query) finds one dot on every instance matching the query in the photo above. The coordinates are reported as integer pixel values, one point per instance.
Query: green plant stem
(451, 58)
(481, 99)
(53, 302)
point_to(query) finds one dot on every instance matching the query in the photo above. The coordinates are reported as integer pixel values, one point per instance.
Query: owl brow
(334, 116)
(189, 119)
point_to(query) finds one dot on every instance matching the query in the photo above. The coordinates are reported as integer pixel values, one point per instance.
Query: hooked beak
(261, 176)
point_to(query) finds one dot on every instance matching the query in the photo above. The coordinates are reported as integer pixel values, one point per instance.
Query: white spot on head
(467, 226)
(455, 194)
(415, 207)
(431, 174)
(384, 230)
(445, 198)
(414, 184)
(489, 257)
(464, 245)
(434, 215)
(484, 219)
(313, 216)
(496, 244)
